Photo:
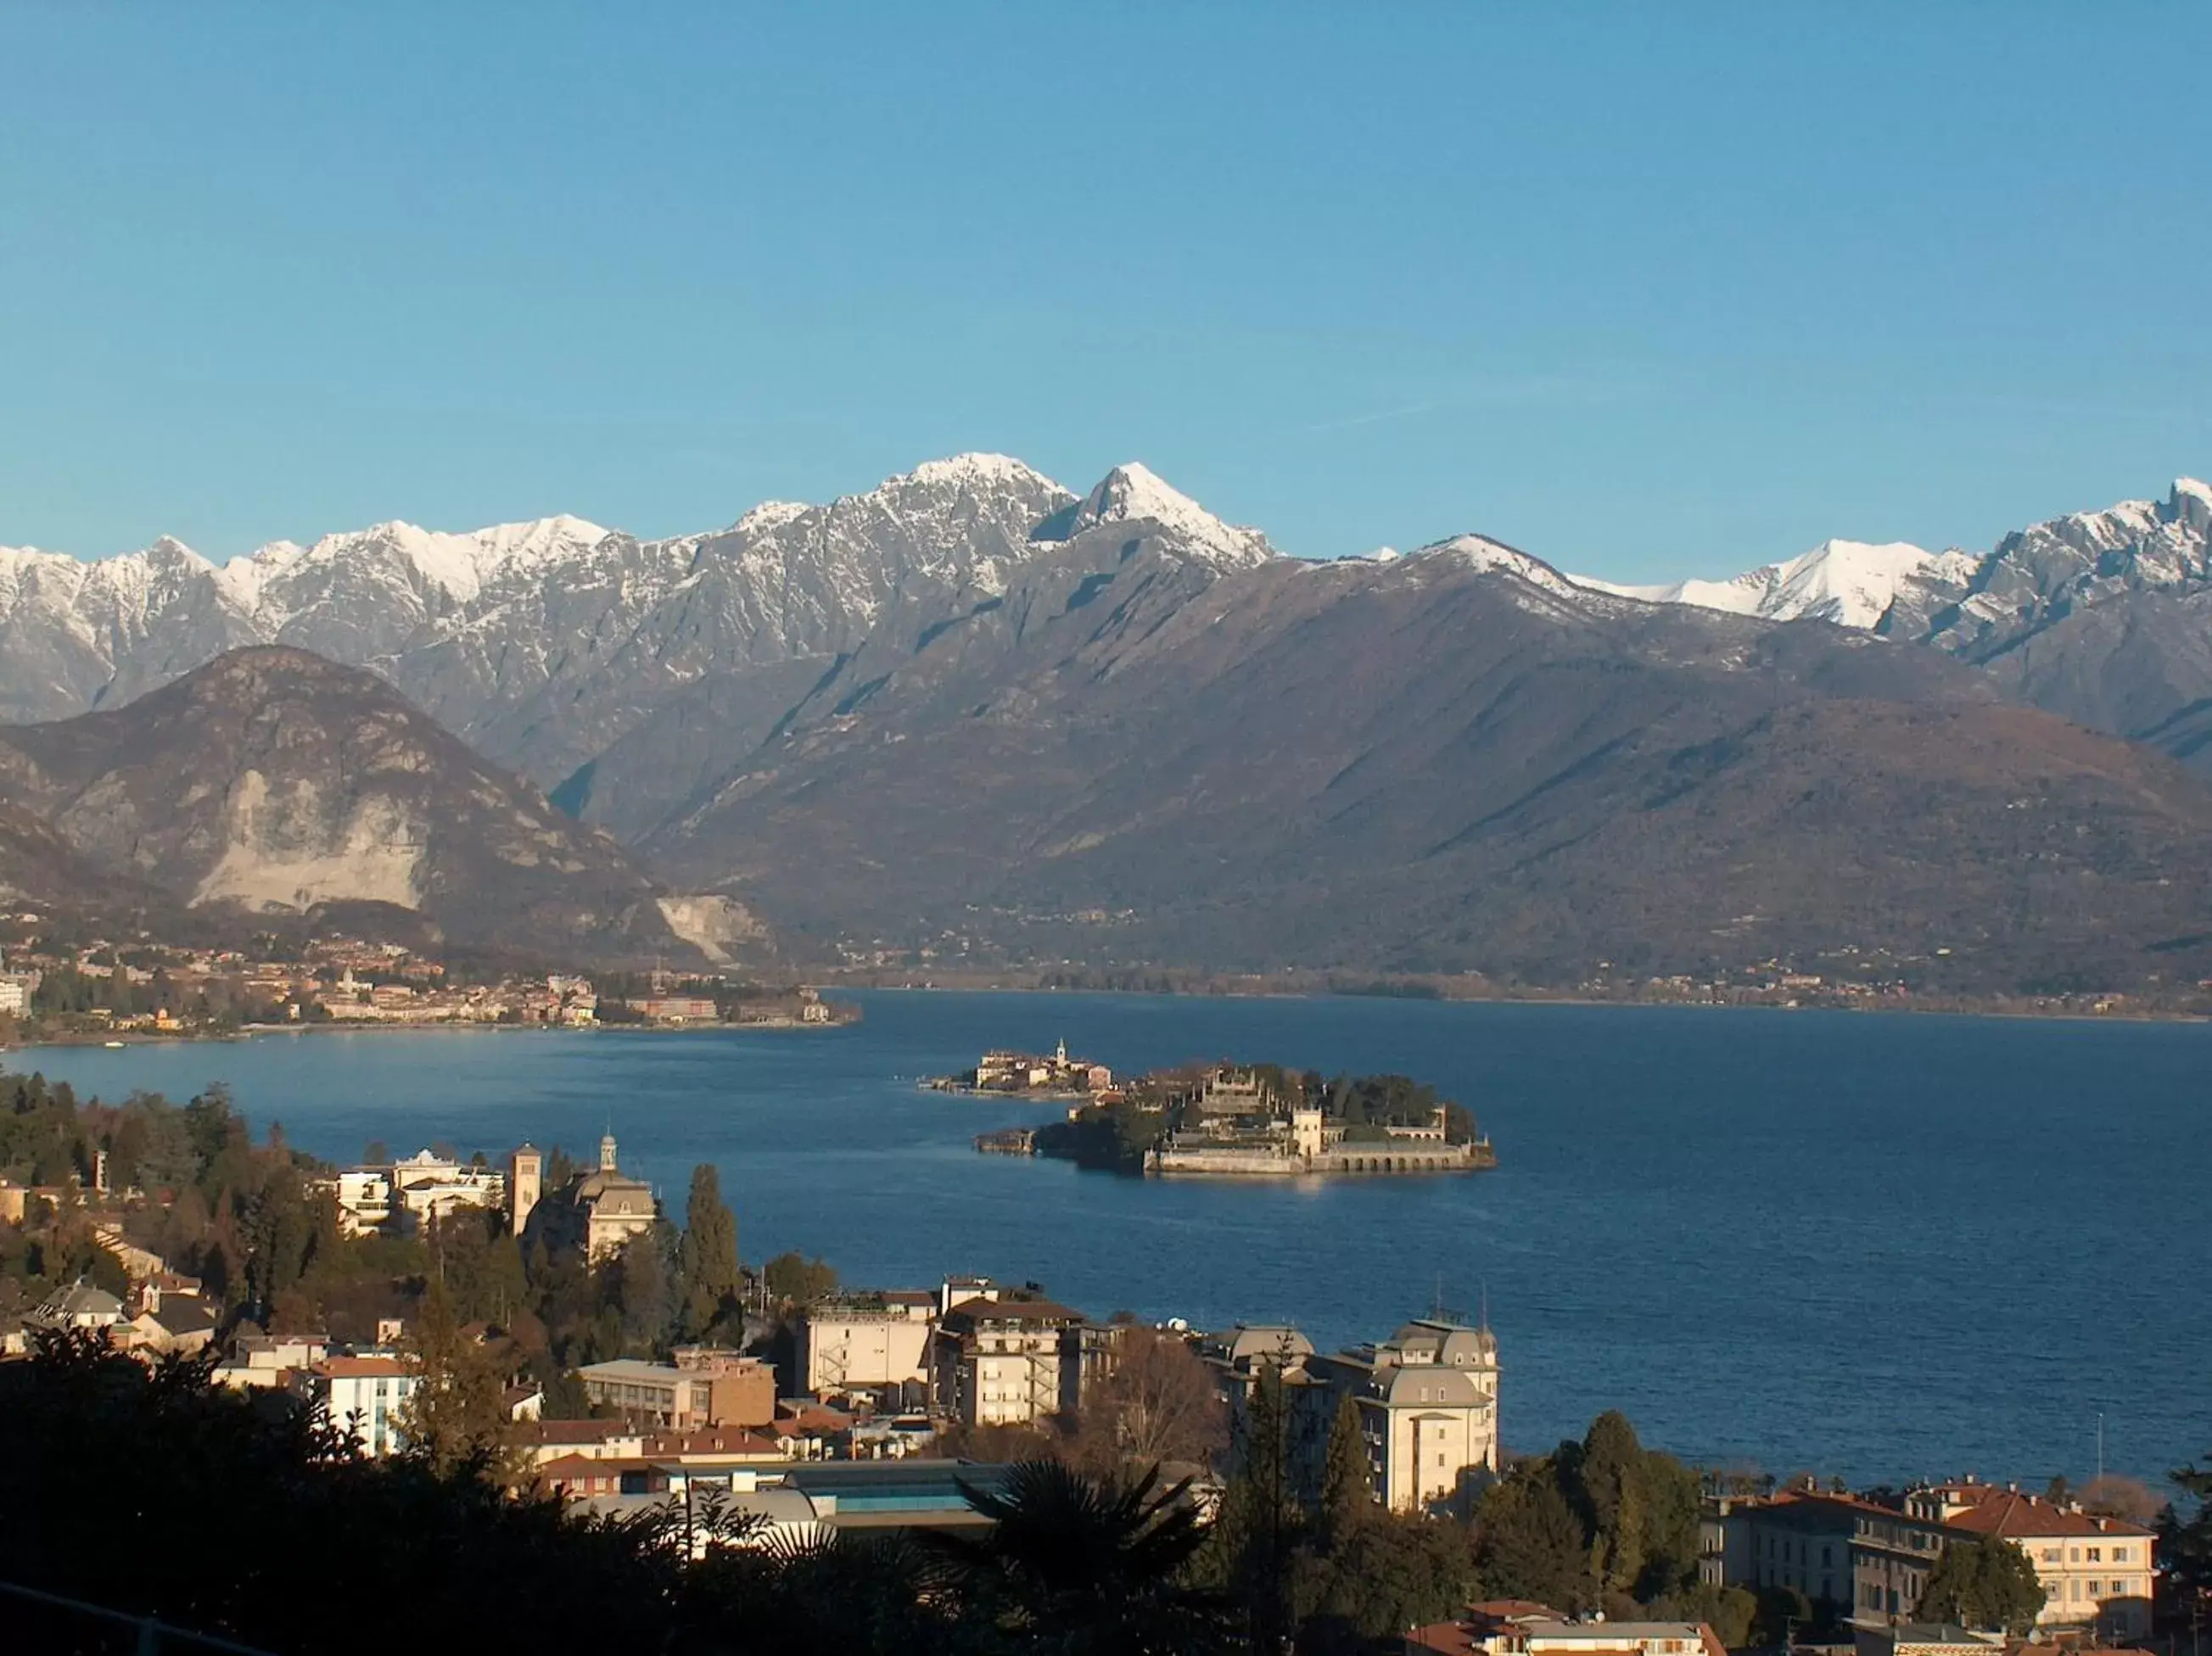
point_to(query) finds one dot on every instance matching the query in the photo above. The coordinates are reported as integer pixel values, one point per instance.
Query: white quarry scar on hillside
(709, 922)
(286, 851)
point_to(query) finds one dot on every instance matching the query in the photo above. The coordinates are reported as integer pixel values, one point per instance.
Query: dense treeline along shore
(1259, 1121)
(1777, 985)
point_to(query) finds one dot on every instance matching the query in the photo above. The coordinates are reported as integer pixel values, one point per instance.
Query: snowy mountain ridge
(1850, 583)
(1899, 588)
(542, 640)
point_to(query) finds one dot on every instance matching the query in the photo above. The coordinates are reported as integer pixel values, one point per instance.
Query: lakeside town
(99, 990)
(546, 1321)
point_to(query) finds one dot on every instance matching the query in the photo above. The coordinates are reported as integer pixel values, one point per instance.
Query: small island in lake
(1023, 1074)
(1263, 1120)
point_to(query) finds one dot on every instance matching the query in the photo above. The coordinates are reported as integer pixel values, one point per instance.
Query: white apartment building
(408, 1194)
(1004, 1360)
(14, 995)
(1428, 1407)
(268, 1361)
(875, 1343)
(425, 1187)
(1587, 1638)
(362, 1395)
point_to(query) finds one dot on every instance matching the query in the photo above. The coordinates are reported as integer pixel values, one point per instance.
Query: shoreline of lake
(1758, 1237)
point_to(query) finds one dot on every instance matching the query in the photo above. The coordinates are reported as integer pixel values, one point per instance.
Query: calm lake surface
(1881, 1246)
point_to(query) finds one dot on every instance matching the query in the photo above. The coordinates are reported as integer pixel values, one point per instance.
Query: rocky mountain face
(42, 874)
(2098, 616)
(275, 781)
(973, 711)
(538, 643)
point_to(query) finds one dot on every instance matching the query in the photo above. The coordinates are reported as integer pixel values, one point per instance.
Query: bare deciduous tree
(1159, 1403)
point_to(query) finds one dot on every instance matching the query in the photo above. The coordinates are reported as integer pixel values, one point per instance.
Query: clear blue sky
(1647, 290)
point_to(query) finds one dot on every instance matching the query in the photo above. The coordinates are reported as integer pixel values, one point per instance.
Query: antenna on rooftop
(1485, 1304)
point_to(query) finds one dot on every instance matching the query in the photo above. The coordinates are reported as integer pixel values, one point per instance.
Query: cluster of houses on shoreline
(163, 991)
(847, 1429)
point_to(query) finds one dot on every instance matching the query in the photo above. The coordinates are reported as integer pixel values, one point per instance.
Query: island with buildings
(1001, 1073)
(1260, 1122)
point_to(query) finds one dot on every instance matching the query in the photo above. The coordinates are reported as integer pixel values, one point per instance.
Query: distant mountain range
(2102, 617)
(972, 713)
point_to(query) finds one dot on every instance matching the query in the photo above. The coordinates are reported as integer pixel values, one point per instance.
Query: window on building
(2096, 1554)
(2119, 1555)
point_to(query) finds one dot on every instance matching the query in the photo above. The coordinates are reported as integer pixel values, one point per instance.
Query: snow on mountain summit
(1133, 491)
(1480, 552)
(975, 468)
(1850, 583)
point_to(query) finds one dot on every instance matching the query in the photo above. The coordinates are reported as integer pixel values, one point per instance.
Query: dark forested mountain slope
(1456, 761)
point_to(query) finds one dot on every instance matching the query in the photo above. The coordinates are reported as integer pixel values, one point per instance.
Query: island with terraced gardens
(1259, 1121)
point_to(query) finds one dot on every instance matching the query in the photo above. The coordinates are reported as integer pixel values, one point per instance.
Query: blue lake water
(1879, 1246)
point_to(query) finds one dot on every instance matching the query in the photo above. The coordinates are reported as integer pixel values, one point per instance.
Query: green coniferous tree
(1609, 1474)
(1531, 1543)
(455, 1421)
(2186, 1547)
(708, 1257)
(1348, 1486)
(1986, 1583)
(1261, 1522)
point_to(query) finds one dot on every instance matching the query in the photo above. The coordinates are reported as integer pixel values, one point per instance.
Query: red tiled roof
(1449, 1637)
(1508, 1610)
(2009, 1513)
(569, 1467)
(711, 1440)
(574, 1431)
(361, 1367)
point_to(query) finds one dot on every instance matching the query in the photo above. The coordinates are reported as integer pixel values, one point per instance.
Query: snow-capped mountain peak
(459, 565)
(1480, 552)
(2190, 502)
(768, 514)
(1850, 583)
(976, 467)
(1134, 492)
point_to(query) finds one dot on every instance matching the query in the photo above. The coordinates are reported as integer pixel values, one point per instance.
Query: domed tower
(607, 1154)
